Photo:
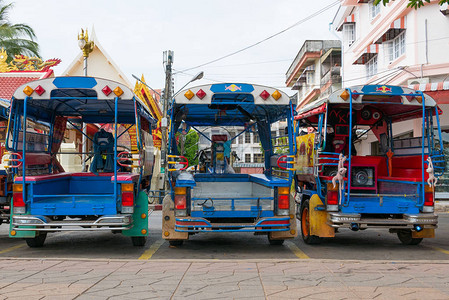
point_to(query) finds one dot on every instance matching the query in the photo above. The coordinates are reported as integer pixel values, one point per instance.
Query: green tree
(190, 146)
(16, 38)
(412, 3)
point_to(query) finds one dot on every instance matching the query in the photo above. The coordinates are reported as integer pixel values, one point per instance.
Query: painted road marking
(296, 251)
(12, 248)
(440, 250)
(153, 248)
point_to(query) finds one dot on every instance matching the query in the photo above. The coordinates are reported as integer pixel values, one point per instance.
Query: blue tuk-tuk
(110, 195)
(356, 169)
(213, 196)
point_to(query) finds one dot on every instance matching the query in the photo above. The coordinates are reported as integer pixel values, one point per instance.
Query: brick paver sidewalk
(309, 279)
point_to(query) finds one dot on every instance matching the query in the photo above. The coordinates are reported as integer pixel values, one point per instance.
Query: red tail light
(17, 200)
(283, 199)
(428, 199)
(332, 197)
(180, 202)
(128, 199)
(283, 202)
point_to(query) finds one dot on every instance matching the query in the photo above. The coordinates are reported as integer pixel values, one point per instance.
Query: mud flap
(168, 221)
(425, 233)
(293, 232)
(318, 219)
(140, 217)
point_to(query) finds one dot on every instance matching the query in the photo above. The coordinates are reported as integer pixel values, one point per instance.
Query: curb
(442, 206)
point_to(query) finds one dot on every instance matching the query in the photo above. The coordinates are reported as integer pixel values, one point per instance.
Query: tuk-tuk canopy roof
(399, 103)
(230, 104)
(92, 99)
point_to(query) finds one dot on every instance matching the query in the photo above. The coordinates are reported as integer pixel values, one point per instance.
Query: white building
(246, 146)
(396, 45)
(315, 71)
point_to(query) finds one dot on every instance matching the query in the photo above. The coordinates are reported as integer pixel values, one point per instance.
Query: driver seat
(103, 160)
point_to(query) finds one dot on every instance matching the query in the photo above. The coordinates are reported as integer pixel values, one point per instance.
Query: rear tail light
(332, 198)
(17, 199)
(283, 200)
(428, 199)
(181, 201)
(127, 198)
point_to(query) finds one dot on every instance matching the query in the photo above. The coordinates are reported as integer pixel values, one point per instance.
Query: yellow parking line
(12, 248)
(153, 248)
(296, 251)
(440, 250)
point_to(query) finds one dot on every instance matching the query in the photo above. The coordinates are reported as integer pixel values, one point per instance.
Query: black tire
(275, 242)
(37, 241)
(175, 243)
(405, 236)
(139, 241)
(305, 228)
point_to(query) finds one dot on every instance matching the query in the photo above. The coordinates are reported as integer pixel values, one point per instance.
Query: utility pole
(168, 61)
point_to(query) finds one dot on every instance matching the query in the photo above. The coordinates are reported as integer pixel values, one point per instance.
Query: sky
(135, 33)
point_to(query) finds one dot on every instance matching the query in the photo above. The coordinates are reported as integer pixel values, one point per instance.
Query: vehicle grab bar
(177, 161)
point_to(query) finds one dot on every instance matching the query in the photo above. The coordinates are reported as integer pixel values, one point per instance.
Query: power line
(268, 38)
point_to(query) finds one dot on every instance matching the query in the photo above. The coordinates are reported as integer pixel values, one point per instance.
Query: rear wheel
(305, 226)
(37, 241)
(175, 243)
(275, 242)
(405, 236)
(139, 241)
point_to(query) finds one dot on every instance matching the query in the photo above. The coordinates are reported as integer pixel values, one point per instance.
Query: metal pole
(84, 140)
(168, 56)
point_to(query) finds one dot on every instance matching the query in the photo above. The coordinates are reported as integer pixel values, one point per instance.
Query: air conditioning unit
(424, 80)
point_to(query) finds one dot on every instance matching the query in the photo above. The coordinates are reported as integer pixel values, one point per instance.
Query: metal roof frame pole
(168, 61)
(24, 144)
(350, 147)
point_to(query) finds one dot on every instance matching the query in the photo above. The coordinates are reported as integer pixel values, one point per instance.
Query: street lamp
(194, 78)
(87, 47)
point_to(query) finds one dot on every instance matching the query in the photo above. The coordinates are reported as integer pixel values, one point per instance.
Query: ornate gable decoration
(24, 63)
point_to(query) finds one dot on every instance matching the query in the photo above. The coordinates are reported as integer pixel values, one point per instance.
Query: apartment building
(396, 45)
(315, 71)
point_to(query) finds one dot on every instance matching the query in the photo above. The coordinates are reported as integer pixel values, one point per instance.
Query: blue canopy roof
(90, 98)
(230, 105)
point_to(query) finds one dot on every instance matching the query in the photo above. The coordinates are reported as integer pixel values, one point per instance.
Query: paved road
(362, 245)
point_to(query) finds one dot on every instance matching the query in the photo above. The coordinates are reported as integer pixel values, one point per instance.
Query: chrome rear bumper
(340, 220)
(42, 223)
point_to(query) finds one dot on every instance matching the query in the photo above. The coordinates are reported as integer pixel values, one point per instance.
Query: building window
(247, 137)
(256, 138)
(371, 67)
(374, 10)
(258, 157)
(349, 34)
(310, 78)
(395, 48)
(232, 135)
(247, 157)
(240, 139)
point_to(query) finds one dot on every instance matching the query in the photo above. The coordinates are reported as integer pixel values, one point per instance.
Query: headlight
(362, 177)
